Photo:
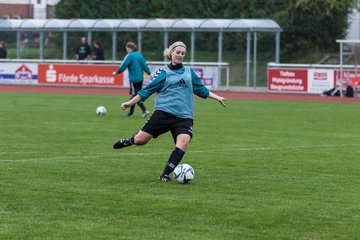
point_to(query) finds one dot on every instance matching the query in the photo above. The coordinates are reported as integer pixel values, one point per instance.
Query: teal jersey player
(174, 106)
(136, 65)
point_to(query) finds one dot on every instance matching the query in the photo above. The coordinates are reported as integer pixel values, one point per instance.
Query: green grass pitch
(264, 170)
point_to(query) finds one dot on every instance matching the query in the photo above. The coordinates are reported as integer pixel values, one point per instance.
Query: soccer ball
(184, 173)
(101, 111)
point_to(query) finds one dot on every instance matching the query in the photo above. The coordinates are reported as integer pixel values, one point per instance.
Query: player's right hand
(125, 105)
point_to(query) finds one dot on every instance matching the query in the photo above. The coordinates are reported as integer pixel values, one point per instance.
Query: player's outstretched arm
(218, 98)
(132, 101)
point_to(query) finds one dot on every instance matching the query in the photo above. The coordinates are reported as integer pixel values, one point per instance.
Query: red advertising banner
(289, 80)
(79, 74)
(347, 76)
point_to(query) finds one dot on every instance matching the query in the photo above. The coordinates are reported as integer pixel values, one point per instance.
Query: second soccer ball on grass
(101, 111)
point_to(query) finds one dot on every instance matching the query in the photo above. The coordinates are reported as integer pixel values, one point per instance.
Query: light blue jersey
(176, 89)
(136, 64)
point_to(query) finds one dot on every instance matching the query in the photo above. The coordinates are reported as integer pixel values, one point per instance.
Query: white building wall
(39, 9)
(15, 1)
(50, 2)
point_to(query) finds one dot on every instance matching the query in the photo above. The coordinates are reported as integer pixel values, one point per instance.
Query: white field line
(201, 151)
(3, 153)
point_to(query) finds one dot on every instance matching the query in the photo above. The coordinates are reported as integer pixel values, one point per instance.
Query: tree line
(307, 25)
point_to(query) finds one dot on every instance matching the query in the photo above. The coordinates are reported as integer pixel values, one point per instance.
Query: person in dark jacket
(3, 53)
(98, 51)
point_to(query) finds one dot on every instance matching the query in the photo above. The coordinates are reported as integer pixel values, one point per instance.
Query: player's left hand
(222, 101)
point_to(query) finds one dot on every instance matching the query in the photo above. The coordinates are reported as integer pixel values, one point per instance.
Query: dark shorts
(161, 122)
(135, 87)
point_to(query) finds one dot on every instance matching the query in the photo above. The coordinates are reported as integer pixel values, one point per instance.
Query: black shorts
(161, 122)
(135, 87)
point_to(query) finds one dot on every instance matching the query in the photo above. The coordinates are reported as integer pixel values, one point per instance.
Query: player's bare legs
(182, 141)
(141, 138)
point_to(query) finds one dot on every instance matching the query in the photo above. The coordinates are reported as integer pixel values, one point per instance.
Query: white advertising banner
(209, 76)
(18, 73)
(320, 80)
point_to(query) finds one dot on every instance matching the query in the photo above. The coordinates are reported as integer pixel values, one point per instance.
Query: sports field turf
(264, 170)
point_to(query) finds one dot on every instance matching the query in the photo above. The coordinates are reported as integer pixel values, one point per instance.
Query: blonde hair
(170, 49)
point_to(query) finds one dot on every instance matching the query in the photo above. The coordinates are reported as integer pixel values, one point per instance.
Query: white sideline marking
(189, 151)
(276, 148)
(17, 153)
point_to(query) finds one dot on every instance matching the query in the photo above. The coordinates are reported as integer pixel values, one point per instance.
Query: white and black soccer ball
(184, 173)
(101, 111)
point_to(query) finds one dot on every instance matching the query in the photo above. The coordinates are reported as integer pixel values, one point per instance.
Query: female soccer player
(136, 64)
(174, 106)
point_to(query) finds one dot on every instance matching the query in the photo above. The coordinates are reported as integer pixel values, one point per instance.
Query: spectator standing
(98, 51)
(83, 51)
(3, 53)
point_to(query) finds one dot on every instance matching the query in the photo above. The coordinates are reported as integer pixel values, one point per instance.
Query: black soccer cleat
(165, 178)
(124, 142)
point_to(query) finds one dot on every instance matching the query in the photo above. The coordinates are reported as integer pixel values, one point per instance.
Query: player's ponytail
(167, 53)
